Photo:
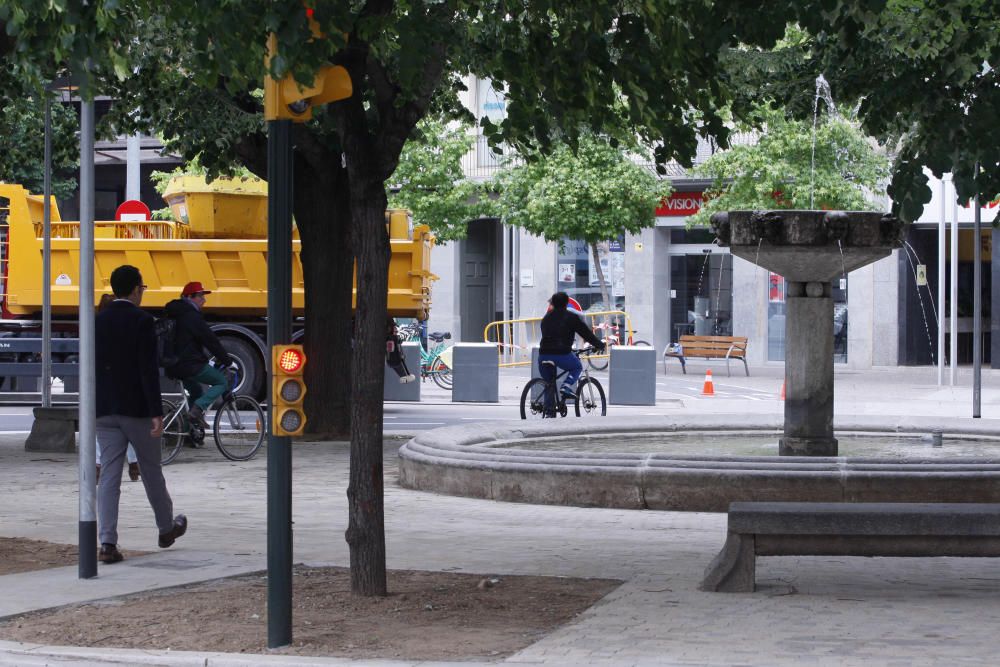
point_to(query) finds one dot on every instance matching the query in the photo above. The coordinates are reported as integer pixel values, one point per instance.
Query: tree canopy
(594, 193)
(22, 144)
(429, 180)
(785, 169)
(924, 75)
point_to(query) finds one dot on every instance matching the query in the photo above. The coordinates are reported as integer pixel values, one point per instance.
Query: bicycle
(435, 361)
(590, 399)
(612, 336)
(238, 427)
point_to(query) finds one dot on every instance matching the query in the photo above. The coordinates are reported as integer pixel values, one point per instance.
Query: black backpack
(166, 341)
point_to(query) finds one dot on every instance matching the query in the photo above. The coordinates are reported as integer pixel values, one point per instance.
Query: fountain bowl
(488, 461)
(809, 246)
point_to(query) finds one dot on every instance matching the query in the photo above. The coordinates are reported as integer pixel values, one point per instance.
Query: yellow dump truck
(218, 237)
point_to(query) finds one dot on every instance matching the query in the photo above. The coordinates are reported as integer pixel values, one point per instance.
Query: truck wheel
(249, 367)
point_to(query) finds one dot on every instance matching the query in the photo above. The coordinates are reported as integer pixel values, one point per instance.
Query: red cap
(194, 288)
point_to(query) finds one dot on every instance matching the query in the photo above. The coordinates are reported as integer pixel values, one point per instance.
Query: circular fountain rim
(469, 460)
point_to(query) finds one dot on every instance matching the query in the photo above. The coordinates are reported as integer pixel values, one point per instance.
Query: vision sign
(680, 204)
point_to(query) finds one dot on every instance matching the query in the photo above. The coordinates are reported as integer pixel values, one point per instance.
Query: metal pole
(941, 288)
(88, 402)
(279, 330)
(977, 309)
(953, 315)
(47, 262)
(132, 166)
(504, 331)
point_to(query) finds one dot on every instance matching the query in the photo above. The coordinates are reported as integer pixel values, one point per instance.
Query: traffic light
(287, 99)
(288, 389)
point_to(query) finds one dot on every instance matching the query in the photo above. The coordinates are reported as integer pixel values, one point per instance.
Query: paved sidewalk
(818, 611)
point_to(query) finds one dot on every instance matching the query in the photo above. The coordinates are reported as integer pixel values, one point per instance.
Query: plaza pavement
(816, 611)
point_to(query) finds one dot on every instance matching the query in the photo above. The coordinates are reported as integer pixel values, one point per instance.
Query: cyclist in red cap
(191, 338)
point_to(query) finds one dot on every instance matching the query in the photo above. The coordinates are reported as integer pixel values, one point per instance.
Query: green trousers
(208, 375)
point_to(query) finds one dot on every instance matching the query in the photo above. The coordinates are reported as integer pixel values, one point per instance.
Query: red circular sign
(133, 210)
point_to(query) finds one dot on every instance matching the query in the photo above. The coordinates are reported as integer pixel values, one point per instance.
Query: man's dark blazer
(128, 377)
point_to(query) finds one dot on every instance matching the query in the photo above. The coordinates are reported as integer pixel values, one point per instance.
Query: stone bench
(848, 529)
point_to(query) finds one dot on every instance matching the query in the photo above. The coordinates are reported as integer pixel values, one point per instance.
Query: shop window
(577, 276)
(701, 294)
(776, 318)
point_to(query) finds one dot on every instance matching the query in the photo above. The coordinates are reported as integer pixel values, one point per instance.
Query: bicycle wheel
(601, 362)
(533, 399)
(590, 401)
(441, 373)
(175, 429)
(239, 428)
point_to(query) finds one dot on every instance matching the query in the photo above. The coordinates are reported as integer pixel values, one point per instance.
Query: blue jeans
(208, 375)
(568, 362)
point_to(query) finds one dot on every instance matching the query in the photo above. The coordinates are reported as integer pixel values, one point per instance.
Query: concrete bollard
(632, 376)
(410, 391)
(476, 373)
(54, 430)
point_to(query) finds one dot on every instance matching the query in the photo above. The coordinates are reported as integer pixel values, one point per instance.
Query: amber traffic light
(288, 389)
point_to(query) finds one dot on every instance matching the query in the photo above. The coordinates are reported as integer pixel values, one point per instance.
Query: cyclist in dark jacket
(559, 328)
(191, 338)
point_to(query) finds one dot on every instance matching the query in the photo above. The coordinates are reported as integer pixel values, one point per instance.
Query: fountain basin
(809, 246)
(491, 462)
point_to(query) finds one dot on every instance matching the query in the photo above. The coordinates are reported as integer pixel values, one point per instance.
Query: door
(477, 257)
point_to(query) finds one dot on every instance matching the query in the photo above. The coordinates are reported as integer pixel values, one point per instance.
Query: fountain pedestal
(809, 249)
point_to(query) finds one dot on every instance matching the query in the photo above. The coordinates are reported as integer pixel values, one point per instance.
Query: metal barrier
(514, 338)
(147, 229)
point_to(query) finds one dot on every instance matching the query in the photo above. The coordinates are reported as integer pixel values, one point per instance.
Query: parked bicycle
(612, 334)
(590, 399)
(238, 427)
(435, 359)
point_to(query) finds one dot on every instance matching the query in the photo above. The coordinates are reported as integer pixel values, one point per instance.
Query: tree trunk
(600, 275)
(366, 520)
(322, 213)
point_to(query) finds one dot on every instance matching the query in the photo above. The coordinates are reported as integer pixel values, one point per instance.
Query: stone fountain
(809, 249)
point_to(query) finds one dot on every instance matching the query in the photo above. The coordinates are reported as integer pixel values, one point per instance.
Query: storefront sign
(680, 204)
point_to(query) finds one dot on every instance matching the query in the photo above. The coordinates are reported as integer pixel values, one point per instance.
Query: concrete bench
(848, 529)
(708, 347)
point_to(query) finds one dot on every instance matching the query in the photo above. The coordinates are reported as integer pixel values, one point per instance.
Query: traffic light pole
(279, 330)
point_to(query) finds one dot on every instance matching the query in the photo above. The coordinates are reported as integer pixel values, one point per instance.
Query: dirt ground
(19, 554)
(426, 616)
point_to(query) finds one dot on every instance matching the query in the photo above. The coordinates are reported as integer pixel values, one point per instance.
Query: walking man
(129, 411)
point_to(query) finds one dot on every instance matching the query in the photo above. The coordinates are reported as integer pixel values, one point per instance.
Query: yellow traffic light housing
(288, 390)
(287, 99)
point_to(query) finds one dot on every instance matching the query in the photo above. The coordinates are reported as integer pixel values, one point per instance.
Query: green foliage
(22, 145)
(777, 171)
(429, 180)
(594, 194)
(921, 73)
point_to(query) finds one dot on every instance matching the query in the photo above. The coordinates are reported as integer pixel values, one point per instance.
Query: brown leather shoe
(109, 554)
(180, 527)
(133, 472)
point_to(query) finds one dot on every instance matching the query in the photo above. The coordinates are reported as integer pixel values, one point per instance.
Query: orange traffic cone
(709, 388)
(782, 390)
